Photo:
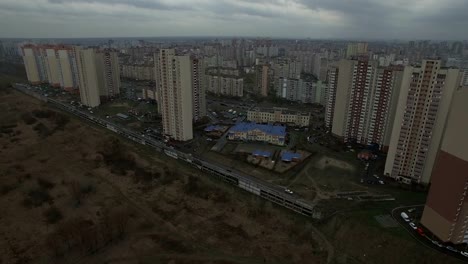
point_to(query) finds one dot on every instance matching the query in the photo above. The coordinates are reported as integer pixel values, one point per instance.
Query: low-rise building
(278, 115)
(256, 132)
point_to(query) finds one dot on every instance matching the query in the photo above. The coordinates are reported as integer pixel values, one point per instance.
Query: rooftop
(289, 156)
(268, 129)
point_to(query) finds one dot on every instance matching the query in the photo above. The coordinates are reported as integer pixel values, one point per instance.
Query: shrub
(28, 119)
(36, 197)
(41, 130)
(6, 188)
(53, 215)
(45, 184)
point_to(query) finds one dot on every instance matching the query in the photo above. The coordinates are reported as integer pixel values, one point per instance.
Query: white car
(288, 191)
(465, 254)
(413, 225)
(437, 243)
(451, 249)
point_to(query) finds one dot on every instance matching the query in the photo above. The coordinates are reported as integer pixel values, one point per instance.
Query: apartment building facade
(361, 101)
(52, 64)
(89, 83)
(198, 88)
(175, 94)
(138, 72)
(108, 67)
(262, 79)
(446, 210)
(225, 85)
(330, 95)
(279, 115)
(423, 105)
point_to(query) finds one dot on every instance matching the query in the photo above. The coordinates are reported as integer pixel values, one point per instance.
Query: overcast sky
(356, 19)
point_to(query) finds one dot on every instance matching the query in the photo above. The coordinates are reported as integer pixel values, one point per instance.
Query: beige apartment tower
(88, 76)
(108, 67)
(361, 101)
(33, 63)
(446, 210)
(424, 102)
(175, 94)
(53, 64)
(262, 79)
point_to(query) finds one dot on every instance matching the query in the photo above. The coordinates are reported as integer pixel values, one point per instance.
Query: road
(423, 240)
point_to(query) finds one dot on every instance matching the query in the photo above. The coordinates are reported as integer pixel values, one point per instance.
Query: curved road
(423, 240)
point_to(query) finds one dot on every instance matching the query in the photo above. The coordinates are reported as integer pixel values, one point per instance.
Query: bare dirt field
(73, 193)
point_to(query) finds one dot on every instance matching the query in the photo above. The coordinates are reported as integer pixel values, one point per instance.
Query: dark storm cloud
(382, 19)
(149, 4)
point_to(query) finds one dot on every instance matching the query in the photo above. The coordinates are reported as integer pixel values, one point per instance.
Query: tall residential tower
(175, 94)
(423, 105)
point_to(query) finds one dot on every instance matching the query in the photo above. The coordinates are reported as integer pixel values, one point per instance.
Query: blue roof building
(257, 132)
(290, 156)
(261, 153)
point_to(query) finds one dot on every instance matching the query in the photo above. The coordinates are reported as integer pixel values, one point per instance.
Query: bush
(41, 130)
(28, 119)
(87, 189)
(61, 120)
(45, 184)
(6, 188)
(42, 113)
(53, 215)
(36, 197)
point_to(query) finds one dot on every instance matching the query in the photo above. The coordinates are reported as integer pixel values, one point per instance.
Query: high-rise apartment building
(34, 64)
(361, 100)
(423, 105)
(53, 64)
(225, 85)
(175, 94)
(330, 95)
(446, 210)
(88, 76)
(108, 67)
(138, 72)
(356, 49)
(262, 75)
(198, 88)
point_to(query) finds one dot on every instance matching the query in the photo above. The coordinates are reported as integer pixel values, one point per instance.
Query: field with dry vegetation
(73, 193)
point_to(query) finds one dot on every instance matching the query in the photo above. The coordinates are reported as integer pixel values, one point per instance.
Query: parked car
(413, 225)
(405, 217)
(437, 243)
(464, 253)
(420, 231)
(451, 249)
(288, 191)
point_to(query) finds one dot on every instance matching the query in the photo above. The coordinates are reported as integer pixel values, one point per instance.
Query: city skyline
(284, 19)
